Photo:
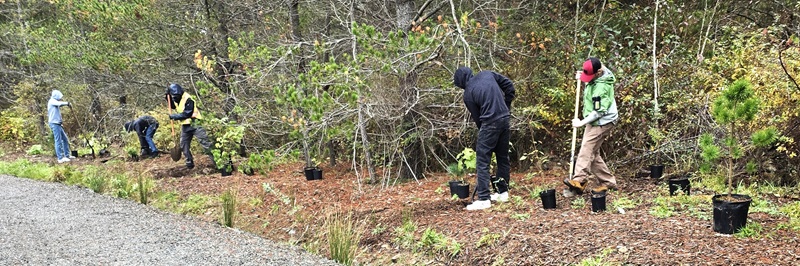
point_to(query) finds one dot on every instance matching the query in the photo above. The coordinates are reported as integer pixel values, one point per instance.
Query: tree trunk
(411, 164)
(224, 68)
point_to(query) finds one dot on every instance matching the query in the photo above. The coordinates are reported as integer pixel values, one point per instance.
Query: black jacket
(140, 124)
(487, 95)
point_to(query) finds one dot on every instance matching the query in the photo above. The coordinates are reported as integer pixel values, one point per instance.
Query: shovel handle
(169, 111)
(574, 130)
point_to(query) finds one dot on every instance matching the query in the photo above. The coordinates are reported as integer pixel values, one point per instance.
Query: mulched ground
(526, 233)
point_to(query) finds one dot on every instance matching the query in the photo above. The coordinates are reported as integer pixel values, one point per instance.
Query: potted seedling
(317, 172)
(678, 180)
(250, 165)
(465, 163)
(547, 194)
(226, 146)
(734, 109)
(657, 169)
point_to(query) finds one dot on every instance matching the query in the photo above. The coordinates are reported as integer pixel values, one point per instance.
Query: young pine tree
(734, 109)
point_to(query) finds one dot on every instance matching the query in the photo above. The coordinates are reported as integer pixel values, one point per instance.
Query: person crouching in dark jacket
(145, 127)
(488, 97)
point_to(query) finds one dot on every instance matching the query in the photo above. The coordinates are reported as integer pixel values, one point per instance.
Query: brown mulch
(528, 234)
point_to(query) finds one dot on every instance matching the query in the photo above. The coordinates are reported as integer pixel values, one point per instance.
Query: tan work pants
(589, 160)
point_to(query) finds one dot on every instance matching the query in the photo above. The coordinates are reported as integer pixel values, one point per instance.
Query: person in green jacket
(600, 116)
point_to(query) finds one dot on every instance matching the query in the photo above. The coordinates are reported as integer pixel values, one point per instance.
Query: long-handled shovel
(570, 192)
(175, 152)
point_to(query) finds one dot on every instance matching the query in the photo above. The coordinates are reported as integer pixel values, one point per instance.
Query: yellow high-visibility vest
(182, 105)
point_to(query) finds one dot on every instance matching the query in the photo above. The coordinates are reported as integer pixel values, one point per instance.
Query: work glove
(578, 74)
(69, 104)
(173, 116)
(586, 120)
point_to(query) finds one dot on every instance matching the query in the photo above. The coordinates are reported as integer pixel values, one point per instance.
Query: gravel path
(54, 224)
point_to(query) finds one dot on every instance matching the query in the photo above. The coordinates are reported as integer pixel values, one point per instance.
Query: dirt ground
(519, 232)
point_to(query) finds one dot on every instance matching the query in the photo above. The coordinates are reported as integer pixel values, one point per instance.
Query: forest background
(369, 83)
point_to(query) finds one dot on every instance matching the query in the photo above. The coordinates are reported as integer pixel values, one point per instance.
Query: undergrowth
(343, 237)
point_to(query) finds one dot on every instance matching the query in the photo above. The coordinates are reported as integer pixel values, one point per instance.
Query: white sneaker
(479, 205)
(499, 197)
(63, 160)
(72, 157)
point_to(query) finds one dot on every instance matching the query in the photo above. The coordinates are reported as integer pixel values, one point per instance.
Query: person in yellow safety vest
(186, 115)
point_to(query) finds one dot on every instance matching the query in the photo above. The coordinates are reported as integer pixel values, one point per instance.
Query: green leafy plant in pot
(657, 168)
(734, 109)
(465, 162)
(229, 135)
(258, 162)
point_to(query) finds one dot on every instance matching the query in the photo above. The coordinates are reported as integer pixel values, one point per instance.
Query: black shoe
(190, 166)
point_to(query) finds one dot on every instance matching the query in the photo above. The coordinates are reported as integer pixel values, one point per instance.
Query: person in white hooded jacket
(54, 120)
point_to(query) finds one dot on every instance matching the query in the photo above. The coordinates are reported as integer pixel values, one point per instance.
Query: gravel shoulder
(51, 223)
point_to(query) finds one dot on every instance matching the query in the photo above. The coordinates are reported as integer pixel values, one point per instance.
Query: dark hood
(462, 76)
(174, 90)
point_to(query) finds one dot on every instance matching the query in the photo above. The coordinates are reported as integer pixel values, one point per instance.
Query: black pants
(187, 133)
(493, 138)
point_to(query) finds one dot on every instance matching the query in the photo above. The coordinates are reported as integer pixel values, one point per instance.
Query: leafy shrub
(13, 127)
(35, 150)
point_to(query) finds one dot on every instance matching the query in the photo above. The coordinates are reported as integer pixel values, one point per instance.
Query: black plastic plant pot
(656, 171)
(309, 172)
(317, 173)
(74, 153)
(248, 170)
(730, 216)
(548, 199)
(226, 170)
(459, 188)
(598, 202)
(680, 183)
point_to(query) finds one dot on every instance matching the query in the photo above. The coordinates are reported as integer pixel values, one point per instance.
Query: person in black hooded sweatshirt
(488, 97)
(145, 127)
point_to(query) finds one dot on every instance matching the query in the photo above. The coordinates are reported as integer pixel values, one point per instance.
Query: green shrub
(35, 150)
(121, 186)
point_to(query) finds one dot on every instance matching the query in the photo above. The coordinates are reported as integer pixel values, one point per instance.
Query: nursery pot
(679, 183)
(548, 198)
(248, 170)
(656, 171)
(730, 216)
(459, 188)
(309, 172)
(317, 172)
(227, 169)
(74, 153)
(598, 202)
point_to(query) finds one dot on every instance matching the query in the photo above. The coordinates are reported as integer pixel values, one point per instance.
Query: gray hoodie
(53, 113)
